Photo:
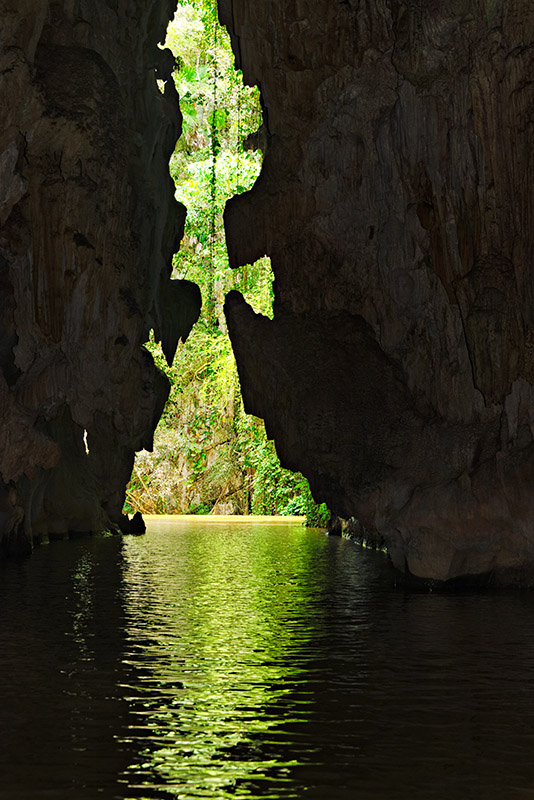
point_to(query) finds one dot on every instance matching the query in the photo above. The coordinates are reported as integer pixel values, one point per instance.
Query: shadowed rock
(395, 202)
(88, 225)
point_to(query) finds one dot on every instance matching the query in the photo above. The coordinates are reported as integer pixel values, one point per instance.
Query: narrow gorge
(396, 205)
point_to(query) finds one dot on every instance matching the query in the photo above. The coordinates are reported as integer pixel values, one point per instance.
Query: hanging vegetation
(209, 456)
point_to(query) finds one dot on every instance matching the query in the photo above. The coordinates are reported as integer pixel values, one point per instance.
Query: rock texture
(88, 224)
(396, 202)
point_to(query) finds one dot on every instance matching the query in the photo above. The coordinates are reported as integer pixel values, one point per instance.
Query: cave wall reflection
(60, 658)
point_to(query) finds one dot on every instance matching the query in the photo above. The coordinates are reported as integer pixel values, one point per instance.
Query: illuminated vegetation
(209, 456)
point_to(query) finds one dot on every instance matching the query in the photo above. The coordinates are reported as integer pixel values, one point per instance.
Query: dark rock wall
(396, 202)
(88, 225)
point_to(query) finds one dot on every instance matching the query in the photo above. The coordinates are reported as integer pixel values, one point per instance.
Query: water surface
(256, 661)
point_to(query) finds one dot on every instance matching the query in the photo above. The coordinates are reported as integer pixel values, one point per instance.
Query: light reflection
(345, 689)
(82, 612)
(224, 649)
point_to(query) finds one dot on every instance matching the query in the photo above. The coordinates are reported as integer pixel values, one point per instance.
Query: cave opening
(211, 659)
(209, 456)
(396, 373)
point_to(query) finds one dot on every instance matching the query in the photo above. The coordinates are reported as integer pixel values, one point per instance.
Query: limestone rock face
(88, 224)
(396, 202)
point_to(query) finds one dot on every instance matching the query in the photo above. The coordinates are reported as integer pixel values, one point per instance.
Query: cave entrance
(209, 456)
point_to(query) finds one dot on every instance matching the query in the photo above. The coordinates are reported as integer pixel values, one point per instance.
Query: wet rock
(353, 529)
(135, 526)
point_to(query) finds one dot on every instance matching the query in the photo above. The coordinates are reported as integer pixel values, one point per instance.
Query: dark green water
(239, 661)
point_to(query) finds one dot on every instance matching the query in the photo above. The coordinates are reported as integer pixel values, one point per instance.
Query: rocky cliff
(88, 225)
(396, 202)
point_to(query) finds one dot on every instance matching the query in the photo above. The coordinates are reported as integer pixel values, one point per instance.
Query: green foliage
(209, 456)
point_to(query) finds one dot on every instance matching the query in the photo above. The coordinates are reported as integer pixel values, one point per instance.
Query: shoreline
(224, 518)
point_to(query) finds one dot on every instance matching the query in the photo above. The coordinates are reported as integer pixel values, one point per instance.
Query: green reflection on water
(219, 620)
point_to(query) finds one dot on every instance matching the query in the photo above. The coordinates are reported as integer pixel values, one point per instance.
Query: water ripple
(235, 661)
